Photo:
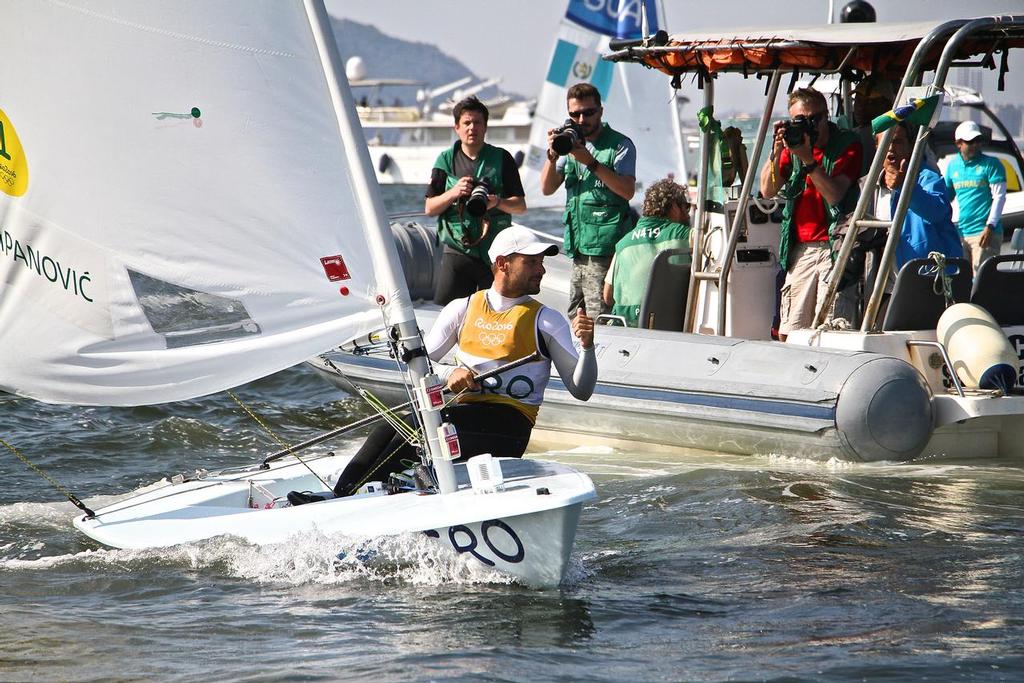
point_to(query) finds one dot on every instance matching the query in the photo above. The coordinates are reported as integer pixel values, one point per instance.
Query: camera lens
(563, 142)
(567, 137)
(476, 205)
(793, 134)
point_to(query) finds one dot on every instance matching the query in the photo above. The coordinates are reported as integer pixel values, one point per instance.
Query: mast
(395, 296)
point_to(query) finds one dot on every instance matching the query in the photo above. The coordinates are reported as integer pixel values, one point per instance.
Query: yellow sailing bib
(489, 338)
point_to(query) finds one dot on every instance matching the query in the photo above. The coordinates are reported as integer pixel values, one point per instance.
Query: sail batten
(189, 220)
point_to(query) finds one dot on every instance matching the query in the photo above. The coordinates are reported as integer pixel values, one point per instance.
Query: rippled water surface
(688, 567)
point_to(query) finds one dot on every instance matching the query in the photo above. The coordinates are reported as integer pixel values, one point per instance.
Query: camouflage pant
(586, 284)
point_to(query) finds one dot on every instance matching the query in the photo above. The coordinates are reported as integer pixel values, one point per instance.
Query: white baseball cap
(966, 131)
(516, 239)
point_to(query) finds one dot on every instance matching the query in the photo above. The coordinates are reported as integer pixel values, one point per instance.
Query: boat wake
(642, 461)
(305, 558)
(314, 558)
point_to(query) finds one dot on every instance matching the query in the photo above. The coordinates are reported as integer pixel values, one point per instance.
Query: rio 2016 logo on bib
(13, 167)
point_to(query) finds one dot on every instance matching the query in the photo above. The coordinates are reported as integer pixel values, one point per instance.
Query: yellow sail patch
(13, 166)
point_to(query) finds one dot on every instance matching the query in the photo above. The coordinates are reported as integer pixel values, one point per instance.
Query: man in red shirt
(815, 166)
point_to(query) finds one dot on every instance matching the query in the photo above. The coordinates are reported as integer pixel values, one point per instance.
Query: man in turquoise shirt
(978, 182)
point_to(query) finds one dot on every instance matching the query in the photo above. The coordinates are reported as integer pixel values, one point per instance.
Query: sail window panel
(189, 317)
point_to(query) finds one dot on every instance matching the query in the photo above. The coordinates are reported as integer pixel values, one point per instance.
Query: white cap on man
(516, 239)
(967, 131)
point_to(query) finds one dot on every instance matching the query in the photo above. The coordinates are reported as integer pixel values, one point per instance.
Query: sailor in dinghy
(491, 327)
(172, 287)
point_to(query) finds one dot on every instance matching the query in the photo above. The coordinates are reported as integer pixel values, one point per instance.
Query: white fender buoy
(981, 354)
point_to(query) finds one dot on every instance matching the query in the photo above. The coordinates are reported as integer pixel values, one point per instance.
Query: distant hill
(389, 57)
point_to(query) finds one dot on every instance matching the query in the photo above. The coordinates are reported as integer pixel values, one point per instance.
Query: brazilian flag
(919, 111)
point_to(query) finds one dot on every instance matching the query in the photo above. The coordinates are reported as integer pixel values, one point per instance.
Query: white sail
(177, 214)
(637, 102)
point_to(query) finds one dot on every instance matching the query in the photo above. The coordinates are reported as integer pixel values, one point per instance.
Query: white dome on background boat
(355, 68)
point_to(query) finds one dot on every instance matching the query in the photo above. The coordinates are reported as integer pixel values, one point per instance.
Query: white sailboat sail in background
(187, 204)
(637, 102)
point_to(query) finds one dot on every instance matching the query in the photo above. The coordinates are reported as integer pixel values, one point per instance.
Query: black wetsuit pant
(493, 428)
(460, 275)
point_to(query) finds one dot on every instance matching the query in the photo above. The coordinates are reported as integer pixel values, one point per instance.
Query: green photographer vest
(838, 141)
(453, 225)
(595, 217)
(634, 255)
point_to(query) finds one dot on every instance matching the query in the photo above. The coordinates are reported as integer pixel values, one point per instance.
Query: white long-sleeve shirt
(577, 370)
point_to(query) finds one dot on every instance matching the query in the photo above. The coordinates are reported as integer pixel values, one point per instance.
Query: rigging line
(373, 418)
(273, 435)
(408, 433)
(67, 494)
(390, 415)
(370, 419)
(241, 476)
(943, 284)
(329, 363)
(383, 412)
(394, 340)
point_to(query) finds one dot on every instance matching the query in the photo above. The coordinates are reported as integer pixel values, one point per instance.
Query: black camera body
(793, 131)
(566, 137)
(476, 202)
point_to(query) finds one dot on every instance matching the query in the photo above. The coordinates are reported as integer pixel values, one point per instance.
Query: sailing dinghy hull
(526, 530)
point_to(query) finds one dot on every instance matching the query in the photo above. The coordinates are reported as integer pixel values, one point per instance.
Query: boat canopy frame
(908, 48)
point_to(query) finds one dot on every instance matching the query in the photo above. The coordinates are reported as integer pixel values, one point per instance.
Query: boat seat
(664, 302)
(914, 304)
(1000, 291)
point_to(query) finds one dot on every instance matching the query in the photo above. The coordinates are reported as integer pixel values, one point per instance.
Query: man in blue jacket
(928, 225)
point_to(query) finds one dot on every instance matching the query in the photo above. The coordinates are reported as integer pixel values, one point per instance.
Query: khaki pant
(805, 287)
(978, 254)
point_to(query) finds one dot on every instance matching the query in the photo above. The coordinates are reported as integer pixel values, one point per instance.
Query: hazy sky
(514, 40)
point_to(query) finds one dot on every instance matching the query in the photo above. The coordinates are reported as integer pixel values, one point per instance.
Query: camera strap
(485, 228)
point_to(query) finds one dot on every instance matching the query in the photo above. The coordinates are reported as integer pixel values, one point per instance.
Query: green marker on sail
(194, 114)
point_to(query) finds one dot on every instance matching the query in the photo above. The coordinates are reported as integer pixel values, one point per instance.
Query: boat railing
(389, 114)
(947, 362)
(984, 36)
(961, 30)
(740, 217)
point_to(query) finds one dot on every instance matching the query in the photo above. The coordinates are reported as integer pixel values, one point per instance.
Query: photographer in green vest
(598, 166)
(664, 225)
(474, 190)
